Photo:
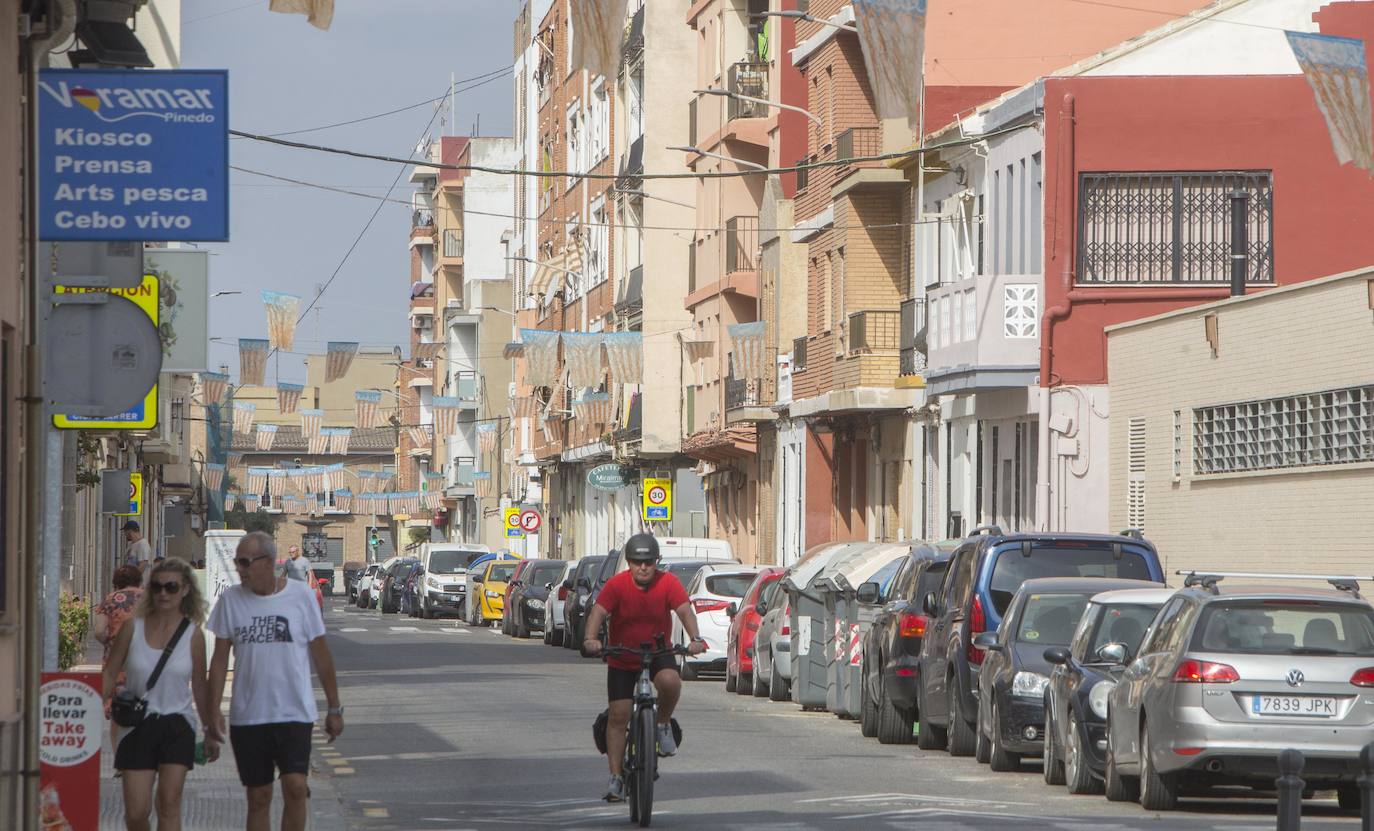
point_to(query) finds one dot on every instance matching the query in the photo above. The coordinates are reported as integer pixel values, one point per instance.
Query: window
(1163, 627)
(1021, 310)
(599, 129)
(1178, 444)
(597, 243)
(634, 104)
(971, 314)
(956, 314)
(1135, 473)
(1320, 429)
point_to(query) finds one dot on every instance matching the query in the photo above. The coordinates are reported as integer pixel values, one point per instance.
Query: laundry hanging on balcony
(625, 356)
(338, 358)
(338, 440)
(243, 416)
(367, 401)
(266, 435)
(288, 397)
(892, 34)
(320, 13)
(282, 311)
(541, 356)
(486, 436)
(1336, 71)
(311, 421)
(598, 27)
(445, 415)
(252, 361)
(582, 353)
(212, 386)
(747, 352)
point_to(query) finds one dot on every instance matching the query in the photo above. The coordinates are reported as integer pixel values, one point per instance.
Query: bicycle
(640, 767)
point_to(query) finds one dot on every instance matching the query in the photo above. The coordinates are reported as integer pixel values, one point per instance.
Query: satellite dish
(102, 358)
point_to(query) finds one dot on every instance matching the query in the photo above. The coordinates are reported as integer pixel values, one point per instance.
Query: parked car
(1084, 674)
(477, 564)
(578, 602)
(363, 593)
(389, 593)
(695, 548)
(1015, 673)
(987, 570)
(892, 647)
(744, 627)
(773, 643)
(554, 625)
(711, 593)
(685, 569)
(444, 589)
(528, 598)
(412, 590)
(352, 570)
(492, 590)
(1229, 676)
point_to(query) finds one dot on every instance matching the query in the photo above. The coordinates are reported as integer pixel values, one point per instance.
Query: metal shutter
(335, 548)
(1135, 477)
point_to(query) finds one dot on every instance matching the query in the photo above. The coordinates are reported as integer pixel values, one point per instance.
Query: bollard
(1366, 785)
(1290, 787)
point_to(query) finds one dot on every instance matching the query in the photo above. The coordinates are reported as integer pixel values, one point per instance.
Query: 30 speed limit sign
(512, 522)
(658, 499)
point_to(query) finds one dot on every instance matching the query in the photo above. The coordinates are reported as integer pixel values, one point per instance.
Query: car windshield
(470, 557)
(728, 585)
(448, 562)
(1012, 569)
(544, 573)
(684, 572)
(501, 572)
(1285, 627)
(1050, 619)
(1124, 624)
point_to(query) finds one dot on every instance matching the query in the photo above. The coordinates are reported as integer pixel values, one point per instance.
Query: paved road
(451, 727)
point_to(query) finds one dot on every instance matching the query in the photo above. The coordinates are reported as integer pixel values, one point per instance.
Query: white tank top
(172, 693)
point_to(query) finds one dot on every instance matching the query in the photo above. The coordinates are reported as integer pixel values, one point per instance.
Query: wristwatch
(336, 711)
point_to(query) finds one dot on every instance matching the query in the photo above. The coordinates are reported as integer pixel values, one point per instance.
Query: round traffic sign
(530, 520)
(514, 520)
(133, 490)
(657, 495)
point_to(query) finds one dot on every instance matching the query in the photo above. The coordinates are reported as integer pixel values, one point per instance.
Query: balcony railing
(912, 361)
(422, 217)
(799, 354)
(854, 143)
(742, 392)
(1171, 227)
(747, 78)
(453, 243)
(463, 469)
(874, 330)
(466, 386)
(741, 244)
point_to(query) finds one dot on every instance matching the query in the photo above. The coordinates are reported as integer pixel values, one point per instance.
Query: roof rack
(1209, 579)
(991, 530)
(1133, 533)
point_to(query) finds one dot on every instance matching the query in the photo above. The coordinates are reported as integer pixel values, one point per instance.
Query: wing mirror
(930, 605)
(584, 583)
(477, 580)
(988, 641)
(760, 608)
(868, 592)
(1113, 653)
(548, 586)
(731, 610)
(1057, 655)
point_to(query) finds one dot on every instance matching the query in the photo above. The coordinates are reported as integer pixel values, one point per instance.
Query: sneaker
(615, 791)
(667, 745)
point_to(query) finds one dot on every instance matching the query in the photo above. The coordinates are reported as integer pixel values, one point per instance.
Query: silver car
(1228, 676)
(773, 644)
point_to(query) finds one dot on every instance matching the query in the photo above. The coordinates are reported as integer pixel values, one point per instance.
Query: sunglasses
(171, 587)
(245, 562)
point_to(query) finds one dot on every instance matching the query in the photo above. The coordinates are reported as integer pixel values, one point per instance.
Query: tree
(259, 520)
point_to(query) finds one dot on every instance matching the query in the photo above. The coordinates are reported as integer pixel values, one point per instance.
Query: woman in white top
(162, 748)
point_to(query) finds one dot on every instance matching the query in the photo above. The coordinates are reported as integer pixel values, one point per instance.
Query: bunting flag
(256, 480)
(250, 502)
(625, 355)
(310, 422)
(426, 351)
(594, 408)
(445, 415)
(295, 480)
(212, 386)
(598, 26)
(288, 397)
(267, 434)
(277, 481)
(481, 482)
(748, 349)
(419, 435)
(282, 311)
(339, 357)
(252, 361)
(367, 407)
(235, 459)
(541, 356)
(892, 34)
(233, 499)
(214, 476)
(434, 480)
(314, 479)
(582, 352)
(526, 407)
(343, 500)
(431, 499)
(317, 444)
(243, 416)
(338, 440)
(1336, 71)
(335, 476)
(315, 506)
(290, 503)
(320, 13)
(486, 436)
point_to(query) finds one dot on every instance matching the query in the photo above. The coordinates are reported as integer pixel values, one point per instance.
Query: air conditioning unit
(423, 321)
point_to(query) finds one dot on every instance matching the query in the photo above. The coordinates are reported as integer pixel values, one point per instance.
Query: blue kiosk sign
(133, 155)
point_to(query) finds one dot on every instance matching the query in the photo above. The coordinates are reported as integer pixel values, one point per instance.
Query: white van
(446, 569)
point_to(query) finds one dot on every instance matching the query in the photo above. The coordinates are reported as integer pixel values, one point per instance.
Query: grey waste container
(837, 629)
(810, 638)
(850, 620)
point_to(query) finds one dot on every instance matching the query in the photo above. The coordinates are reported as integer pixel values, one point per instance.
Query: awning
(426, 351)
(698, 349)
(513, 350)
(544, 274)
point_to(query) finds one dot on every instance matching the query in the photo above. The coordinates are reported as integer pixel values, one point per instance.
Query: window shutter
(1135, 476)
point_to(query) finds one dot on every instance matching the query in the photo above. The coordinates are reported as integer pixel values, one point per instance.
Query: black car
(987, 571)
(892, 646)
(413, 591)
(351, 572)
(389, 596)
(1084, 674)
(1011, 684)
(578, 603)
(529, 594)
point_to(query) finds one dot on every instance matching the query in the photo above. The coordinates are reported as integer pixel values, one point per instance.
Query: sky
(286, 75)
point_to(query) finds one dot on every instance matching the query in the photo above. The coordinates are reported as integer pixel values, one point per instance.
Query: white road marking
(353, 629)
(405, 629)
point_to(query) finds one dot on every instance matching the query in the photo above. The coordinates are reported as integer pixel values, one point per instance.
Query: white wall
(487, 200)
(1079, 483)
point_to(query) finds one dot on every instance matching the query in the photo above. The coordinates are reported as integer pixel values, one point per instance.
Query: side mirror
(477, 580)
(548, 586)
(987, 640)
(584, 583)
(868, 592)
(760, 608)
(731, 610)
(1058, 655)
(1113, 653)
(930, 605)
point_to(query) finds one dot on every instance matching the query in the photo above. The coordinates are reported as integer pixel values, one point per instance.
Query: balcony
(853, 148)
(912, 358)
(722, 263)
(983, 333)
(464, 480)
(422, 226)
(749, 399)
(748, 78)
(467, 388)
(874, 330)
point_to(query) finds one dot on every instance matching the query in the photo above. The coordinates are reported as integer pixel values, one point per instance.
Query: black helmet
(641, 548)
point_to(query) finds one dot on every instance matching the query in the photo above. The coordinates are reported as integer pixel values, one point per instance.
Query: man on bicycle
(640, 603)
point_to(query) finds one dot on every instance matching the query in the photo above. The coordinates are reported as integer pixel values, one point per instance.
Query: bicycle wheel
(646, 765)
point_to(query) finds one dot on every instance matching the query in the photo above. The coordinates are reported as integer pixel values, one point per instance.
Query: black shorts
(620, 683)
(261, 750)
(159, 740)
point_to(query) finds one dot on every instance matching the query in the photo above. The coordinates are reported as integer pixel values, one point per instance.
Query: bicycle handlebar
(611, 651)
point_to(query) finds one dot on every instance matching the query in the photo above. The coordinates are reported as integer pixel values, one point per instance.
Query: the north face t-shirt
(271, 636)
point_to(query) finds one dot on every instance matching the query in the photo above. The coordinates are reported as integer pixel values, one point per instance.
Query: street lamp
(805, 17)
(725, 93)
(722, 157)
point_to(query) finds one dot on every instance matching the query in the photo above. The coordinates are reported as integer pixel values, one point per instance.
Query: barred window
(1335, 427)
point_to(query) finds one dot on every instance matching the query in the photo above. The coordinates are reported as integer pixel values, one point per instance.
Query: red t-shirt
(639, 615)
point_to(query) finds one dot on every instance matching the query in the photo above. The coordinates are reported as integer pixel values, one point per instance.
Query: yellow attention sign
(512, 523)
(658, 499)
(135, 496)
(142, 416)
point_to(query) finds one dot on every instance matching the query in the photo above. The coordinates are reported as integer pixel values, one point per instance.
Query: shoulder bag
(127, 709)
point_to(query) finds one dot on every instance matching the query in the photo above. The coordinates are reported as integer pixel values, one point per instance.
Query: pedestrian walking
(162, 653)
(117, 607)
(137, 552)
(297, 567)
(276, 632)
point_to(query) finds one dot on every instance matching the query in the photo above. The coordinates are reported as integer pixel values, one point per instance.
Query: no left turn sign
(530, 521)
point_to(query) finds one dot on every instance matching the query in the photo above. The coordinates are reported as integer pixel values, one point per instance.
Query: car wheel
(868, 711)
(961, 738)
(1054, 766)
(522, 629)
(744, 683)
(982, 748)
(1076, 773)
(1348, 797)
(757, 686)
(1118, 788)
(777, 686)
(1158, 791)
(894, 726)
(999, 758)
(928, 736)
(731, 681)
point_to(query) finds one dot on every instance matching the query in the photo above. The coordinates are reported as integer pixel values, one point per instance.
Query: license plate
(1293, 705)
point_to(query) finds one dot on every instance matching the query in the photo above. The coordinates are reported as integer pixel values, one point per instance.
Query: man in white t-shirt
(275, 628)
(137, 552)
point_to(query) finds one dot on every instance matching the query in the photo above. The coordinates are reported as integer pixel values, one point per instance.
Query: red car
(744, 626)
